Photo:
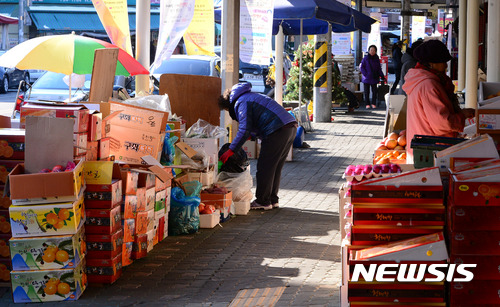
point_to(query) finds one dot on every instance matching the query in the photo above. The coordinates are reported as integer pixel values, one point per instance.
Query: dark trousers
(273, 152)
(374, 89)
(396, 82)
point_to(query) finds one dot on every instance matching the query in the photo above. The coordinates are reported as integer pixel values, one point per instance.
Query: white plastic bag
(239, 183)
(154, 102)
(203, 129)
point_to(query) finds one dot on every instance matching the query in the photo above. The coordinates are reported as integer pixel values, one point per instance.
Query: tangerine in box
(104, 270)
(103, 196)
(47, 253)
(47, 220)
(102, 221)
(104, 246)
(48, 285)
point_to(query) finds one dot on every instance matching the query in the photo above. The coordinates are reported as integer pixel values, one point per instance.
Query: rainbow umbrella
(67, 54)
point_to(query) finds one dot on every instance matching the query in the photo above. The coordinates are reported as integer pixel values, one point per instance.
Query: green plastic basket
(424, 147)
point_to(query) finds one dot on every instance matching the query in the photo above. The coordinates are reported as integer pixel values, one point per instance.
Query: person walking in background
(396, 59)
(261, 116)
(372, 74)
(433, 107)
(408, 62)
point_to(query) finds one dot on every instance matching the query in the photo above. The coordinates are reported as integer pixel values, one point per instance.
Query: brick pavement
(296, 246)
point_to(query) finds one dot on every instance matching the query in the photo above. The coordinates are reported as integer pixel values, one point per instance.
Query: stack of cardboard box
(103, 227)
(474, 231)
(389, 209)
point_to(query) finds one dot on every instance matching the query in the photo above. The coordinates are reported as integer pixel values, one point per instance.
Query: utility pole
(358, 38)
(20, 24)
(406, 14)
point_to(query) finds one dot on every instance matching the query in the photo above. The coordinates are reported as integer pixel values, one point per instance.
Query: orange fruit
(4, 251)
(8, 152)
(63, 214)
(62, 256)
(59, 224)
(4, 227)
(5, 275)
(63, 288)
(52, 248)
(54, 280)
(50, 288)
(49, 256)
(52, 218)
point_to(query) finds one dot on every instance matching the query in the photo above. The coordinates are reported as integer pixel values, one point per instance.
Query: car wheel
(5, 85)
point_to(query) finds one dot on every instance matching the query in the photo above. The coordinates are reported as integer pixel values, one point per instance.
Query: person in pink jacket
(432, 106)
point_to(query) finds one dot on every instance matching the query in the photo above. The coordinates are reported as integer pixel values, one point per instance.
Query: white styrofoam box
(208, 145)
(209, 220)
(206, 178)
(242, 207)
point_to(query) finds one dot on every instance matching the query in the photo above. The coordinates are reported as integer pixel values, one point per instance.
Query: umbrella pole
(300, 72)
(69, 87)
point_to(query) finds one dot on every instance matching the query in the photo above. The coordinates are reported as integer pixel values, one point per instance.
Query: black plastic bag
(237, 163)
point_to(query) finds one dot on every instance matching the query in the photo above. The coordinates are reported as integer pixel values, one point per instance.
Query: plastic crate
(424, 147)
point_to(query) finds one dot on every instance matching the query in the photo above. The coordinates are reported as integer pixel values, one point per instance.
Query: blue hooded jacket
(256, 114)
(371, 71)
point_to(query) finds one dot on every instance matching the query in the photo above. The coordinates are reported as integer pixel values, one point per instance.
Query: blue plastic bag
(299, 138)
(184, 216)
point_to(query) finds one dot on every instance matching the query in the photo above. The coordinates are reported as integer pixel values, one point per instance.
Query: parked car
(11, 77)
(201, 65)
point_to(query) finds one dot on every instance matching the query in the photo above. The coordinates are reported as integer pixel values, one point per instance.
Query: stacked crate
(162, 208)
(103, 226)
(389, 209)
(131, 201)
(47, 245)
(97, 142)
(474, 232)
(11, 154)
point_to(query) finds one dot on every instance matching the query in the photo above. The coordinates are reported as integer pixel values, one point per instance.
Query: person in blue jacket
(372, 74)
(260, 116)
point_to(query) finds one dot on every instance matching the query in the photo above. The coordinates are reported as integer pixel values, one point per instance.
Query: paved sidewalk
(295, 246)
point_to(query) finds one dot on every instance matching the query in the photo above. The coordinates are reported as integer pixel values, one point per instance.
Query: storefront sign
(256, 19)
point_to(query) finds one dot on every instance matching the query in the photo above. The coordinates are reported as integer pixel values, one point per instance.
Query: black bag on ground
(353, 101)
(382, 90)
(237, 163)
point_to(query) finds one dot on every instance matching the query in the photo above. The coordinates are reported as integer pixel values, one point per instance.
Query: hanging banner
(256, 23)
(374, 35)
(200, 35)
(417, 27)
(175, 17)
(114, 17)
(341, 43)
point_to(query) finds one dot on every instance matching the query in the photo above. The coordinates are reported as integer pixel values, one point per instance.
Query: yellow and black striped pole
(320, 66)
(322, 79)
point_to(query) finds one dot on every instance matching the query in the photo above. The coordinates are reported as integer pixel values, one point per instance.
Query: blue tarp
(315, 15)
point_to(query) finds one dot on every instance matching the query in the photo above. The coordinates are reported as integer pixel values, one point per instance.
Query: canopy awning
(8, 20)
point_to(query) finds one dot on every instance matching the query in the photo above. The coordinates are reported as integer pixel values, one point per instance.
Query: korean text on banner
(175, 17)
(256, 23)
(200, 35)
(114, 17)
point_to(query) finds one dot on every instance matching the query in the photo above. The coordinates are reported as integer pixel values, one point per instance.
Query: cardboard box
(12, 144)
(142, 222)
(147, 180)
(138, 118)
(79, 143)
(41, 188)
(378, 214)
(105, 271)
(141, 199)
(140, 246)
(39, 288)
(474, 242)
(160, 185)
(210, 146)
(150, 199)
(487, 266)
(92, 151)
(129, 181)
(47, 253)
(104, 246)
(46, 220)
(209, 220)
(474, 293)
(396, 292)
(160, 197)
(4, 222)
(160, 228)
(150, 237)
(476, 188)
(127, 254)
(129, 210)
(95, 126)
(217, 200)
(79, 113)
(128, 226)
(103, 196)
(464, 218)
(375, 235)
(179, 127)
(135, 143)
(104, 149)
(4, 247)
(102, 221)
(205, 177)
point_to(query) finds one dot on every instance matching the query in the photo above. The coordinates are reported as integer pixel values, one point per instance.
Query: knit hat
(432, 51)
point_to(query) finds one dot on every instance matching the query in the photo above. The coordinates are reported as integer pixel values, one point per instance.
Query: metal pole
(472, 53)
(20, 24)
(493, 47)
(142, 41)
(5, 36)
(358, 38)
(405, 29)
(300, 72)
(278, 62)
(462, 43)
